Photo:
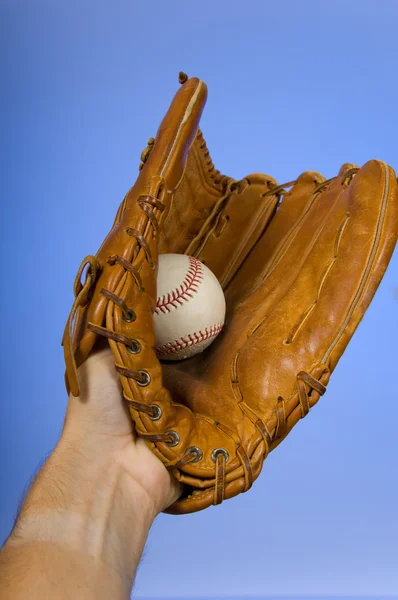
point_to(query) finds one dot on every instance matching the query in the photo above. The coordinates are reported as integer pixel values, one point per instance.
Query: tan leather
(299, 264)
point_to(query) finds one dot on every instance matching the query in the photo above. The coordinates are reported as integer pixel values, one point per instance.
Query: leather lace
(281, 189)
(82, 292)
(141, 377)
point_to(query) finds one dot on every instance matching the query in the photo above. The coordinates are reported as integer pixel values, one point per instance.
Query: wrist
(102, 451)
(89, 507)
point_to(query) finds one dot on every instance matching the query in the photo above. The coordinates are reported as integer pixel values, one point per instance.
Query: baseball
(190, 307)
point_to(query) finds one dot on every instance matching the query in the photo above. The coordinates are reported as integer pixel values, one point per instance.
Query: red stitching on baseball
(189, 340)
(185, 291)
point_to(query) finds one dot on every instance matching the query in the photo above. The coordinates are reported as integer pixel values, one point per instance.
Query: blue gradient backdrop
(292, 86)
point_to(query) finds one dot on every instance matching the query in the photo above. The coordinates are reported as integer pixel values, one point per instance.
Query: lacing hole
(129, 316)
(175, 438)
(286, 342)
(152, 264)
(156, 412)
(146, 378)
(134, 347)
(195, 450)
(218, 451)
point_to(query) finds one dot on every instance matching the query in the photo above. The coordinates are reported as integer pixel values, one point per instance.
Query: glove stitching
(369, 265)
(300, 322)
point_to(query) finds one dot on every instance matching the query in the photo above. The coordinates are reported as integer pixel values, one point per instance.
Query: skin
(83, 526)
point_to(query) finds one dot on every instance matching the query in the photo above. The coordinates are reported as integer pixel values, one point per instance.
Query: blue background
(292, 86)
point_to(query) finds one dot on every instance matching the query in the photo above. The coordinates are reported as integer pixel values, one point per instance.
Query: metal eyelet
(134, 347)
(195, 450)
(146, 379)
(129, 316)
(156, 412)
(152, 265)
(175, 438)
(218, 451)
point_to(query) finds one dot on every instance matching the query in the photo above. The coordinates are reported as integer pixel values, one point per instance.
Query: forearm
(80, 533)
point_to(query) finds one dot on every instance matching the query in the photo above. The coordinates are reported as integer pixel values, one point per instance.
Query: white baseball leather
(190, 308)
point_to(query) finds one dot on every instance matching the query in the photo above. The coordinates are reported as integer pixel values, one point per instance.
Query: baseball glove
(299, 264)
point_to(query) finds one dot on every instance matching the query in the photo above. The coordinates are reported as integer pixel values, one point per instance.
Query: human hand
(98, 426)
